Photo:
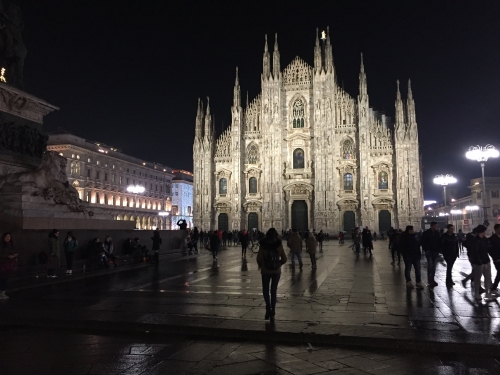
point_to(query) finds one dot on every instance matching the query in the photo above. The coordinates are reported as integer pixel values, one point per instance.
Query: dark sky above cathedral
(128, 73)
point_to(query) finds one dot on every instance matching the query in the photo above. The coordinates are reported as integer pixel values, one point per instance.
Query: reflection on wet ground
(345, 290)
(34, 352)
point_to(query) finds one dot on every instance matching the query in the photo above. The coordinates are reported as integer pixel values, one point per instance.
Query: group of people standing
(433, 243)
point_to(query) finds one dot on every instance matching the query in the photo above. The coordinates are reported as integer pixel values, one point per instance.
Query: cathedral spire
(363, 89)
(410, 108)
(317, 54)
(236, 93)
(208, 120)
(276, 58)
(400, 115)
(328, 52)
(199, 121)
(266, 68)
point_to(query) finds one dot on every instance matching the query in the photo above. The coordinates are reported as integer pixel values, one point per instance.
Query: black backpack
(272, 259)
(469, 241)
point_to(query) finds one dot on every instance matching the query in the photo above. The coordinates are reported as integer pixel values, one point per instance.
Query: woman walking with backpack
(270, 258)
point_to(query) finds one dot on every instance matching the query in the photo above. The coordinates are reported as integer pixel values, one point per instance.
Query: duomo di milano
(305, 154)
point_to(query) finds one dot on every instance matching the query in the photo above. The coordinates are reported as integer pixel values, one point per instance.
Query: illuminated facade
(101, 175)
(305, 154)
(182, 198)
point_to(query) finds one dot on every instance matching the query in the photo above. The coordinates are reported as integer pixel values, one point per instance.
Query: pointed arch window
(223, 186)
(298, 158)
(383, 180)
(252, 154)
(298, 114)
(348, 149)
(252, 185)
(348, 181)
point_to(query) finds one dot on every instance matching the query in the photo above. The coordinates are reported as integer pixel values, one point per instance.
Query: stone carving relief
(299, 190)
(22, 139)
(348, 205)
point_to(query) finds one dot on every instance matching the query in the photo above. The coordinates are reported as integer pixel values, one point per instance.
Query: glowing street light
(444, 180)
(481, 155)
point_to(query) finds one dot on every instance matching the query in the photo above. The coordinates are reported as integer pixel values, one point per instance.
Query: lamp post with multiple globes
(135, 189)
(444, 180)
(481, 155)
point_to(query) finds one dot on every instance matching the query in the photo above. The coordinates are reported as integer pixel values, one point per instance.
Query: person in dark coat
(431, 245)
(54, 253)
(70, 244)
(244, 239)
(495, 255)
(8, 258)
(367, 239)
(215, 242)
(410, 249)
(480, 261)
(450, 249)
(156, 245)
(270, 269)
(195, 236)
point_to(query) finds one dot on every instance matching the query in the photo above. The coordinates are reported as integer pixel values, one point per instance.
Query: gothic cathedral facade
(305, 154)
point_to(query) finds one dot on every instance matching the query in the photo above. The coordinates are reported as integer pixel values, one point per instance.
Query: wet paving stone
(355, 292)
(164, 354)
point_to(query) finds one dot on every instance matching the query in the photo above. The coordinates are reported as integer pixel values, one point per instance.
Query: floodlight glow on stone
(472, 208)
(2, 75)
(136, 189)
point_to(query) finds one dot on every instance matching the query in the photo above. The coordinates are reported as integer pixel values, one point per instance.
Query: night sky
(128, 73)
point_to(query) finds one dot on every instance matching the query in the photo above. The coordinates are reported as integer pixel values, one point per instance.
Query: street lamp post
(135, 189)
(444, 180)
(482, 154)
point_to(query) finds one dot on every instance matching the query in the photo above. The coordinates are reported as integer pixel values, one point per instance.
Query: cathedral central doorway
(299, 215)
(384, 221)
(349, 221)
(223, 222)
(253, 221)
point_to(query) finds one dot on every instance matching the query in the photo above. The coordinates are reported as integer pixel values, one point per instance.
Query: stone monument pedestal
(22, 208)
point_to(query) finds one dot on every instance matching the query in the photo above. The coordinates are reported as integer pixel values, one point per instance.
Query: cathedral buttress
(366, 181)
(237, 144)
